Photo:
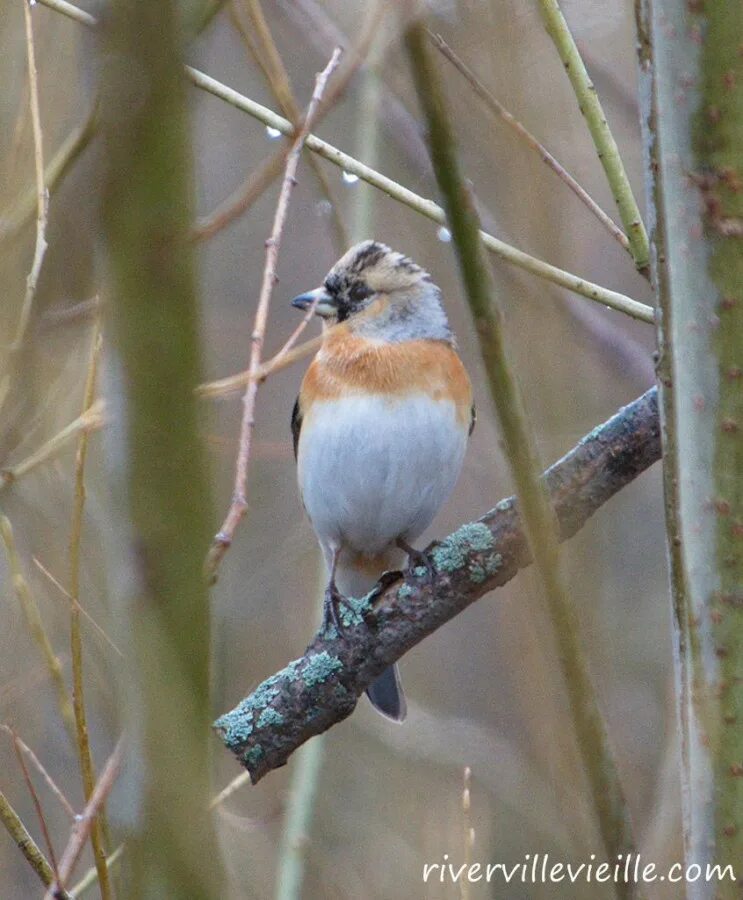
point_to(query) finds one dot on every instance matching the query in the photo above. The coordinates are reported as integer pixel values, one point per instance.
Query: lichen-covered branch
(321, 688)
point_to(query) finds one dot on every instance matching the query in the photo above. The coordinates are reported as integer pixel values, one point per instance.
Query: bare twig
(36, 802)
(239, 504)
(285, 357)
(300, 806)
(65, 593)
(28, 846)
(41, 211)
(267, 56)
(495, 106)
(321, 688)
(85, 822)
(603, 139)
(398, 192)
(87, 769)
(58, 166)
(91, 876)
(243, 197)
(51, 783)
(41, 193)
(89, 420)
(36, 626)
(425, 207)
(237, 782)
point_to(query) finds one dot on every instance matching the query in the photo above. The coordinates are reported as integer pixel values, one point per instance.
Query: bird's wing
(296, 425)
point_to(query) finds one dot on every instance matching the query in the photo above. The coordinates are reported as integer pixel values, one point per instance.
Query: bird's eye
(359, 291)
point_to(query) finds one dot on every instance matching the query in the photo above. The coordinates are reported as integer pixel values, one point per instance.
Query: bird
(380, 426)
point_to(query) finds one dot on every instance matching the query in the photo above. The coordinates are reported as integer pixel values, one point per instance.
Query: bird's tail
(355, 577)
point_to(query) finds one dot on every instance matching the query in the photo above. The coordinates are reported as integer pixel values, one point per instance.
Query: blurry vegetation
(111, 164)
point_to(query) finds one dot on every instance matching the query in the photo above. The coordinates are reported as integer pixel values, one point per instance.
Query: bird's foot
(417, 560)
(331, 602)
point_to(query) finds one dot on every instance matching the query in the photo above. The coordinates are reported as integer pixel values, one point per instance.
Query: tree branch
(321, 688)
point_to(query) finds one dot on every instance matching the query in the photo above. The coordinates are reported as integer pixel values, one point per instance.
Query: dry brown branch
(91, 876)
(86, 820)
(87, 769)
(41, 209)
(36, 626)
(51, 783)
(285, 357)
(243, 197)
(90, 420)
(36, 802)
(65, 593)
(239, 504)
(496, 107)
(266, 54)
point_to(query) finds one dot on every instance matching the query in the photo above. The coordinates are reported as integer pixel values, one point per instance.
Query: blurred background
(485, 691)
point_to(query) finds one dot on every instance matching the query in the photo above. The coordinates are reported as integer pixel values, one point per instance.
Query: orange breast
(348, 363)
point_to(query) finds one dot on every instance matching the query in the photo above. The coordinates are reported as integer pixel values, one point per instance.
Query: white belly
(372, 469)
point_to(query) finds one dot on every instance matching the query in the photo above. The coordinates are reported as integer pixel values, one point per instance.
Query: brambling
(380, 426)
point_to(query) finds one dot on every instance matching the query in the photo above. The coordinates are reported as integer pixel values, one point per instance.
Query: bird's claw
(417, 559)
(332, 600)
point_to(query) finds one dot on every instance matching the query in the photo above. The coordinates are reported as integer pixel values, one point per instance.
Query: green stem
(695, 139)
(603, 139)
(26, 844)
(36, 627)
(520, 448)
(147, 208)
(299, 810)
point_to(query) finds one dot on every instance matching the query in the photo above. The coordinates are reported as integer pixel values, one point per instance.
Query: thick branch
(313, 693)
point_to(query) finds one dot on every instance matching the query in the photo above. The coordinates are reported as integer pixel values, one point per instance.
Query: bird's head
(369, 272)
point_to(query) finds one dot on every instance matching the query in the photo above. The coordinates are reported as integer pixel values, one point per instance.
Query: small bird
(380, 426)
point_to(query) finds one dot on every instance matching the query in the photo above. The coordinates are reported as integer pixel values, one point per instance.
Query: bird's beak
(325, 305)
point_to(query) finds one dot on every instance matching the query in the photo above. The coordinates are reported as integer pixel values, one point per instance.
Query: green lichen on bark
(718, 145)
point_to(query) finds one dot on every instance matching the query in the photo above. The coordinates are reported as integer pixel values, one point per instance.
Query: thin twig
(36, 802)
(28, 846)
(87, 769)
(425, 207)
(469, 831)
(90, 420)
(243, 197)
(398, 192)
(41, 212)
(91, 876)
(300, 806)
(603, 139)
(41, 193)
(36, 626)
(58, 166)
(269, 60)
(239, 503)
(65, 593)
(229, 789)
(224, 386)
(495, 106)
(540, 524)
(85, 822)
(51, 783)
